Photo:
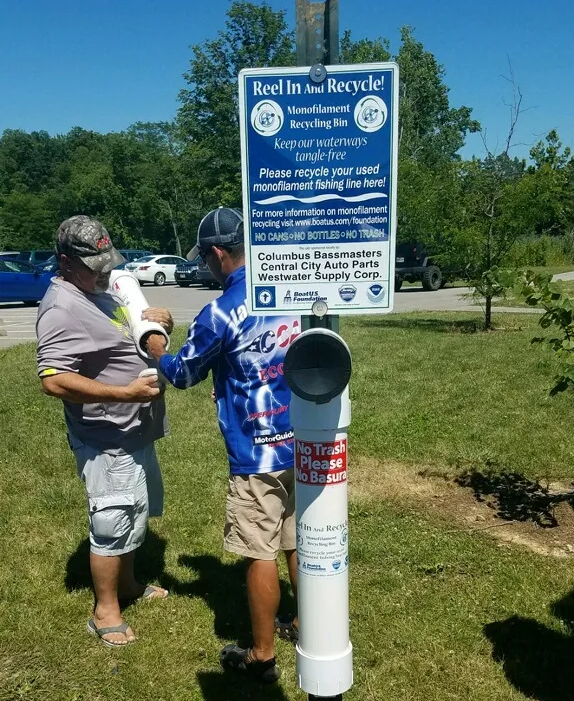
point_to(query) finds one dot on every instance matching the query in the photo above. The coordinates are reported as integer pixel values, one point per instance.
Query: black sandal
(240, 661)
(285, 628)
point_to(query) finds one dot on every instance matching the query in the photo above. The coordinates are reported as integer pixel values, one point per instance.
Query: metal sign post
(318, 46)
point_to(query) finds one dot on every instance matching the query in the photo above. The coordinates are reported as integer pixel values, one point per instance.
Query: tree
(254, 36)
(493, 216)
(431, 131)
(431, 134)
(163, 183)
(550, 183)
(26, 221)
(539, 290)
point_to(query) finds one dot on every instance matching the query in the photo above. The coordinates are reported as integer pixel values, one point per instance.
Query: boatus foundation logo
(376, 293)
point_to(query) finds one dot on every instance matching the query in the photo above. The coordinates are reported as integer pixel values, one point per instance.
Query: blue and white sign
(319, 188)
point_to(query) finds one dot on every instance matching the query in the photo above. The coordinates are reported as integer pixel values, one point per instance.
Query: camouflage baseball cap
(87, 238)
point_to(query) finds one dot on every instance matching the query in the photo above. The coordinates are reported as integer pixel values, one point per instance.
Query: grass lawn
(437, 613)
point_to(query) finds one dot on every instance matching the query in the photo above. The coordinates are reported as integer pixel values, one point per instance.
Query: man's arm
(73, 387)
(194, 360)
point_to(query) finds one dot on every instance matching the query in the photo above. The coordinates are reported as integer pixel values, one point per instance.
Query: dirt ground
(509, 508)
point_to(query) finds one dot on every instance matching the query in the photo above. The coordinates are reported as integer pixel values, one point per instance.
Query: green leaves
(539, 290)
(255, 35)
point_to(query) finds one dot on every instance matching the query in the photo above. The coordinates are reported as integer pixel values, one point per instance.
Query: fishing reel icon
(267, 118)
(370, 113)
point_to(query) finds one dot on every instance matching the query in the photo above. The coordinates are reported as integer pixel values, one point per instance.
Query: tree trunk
(488, 313)
(174, 228)
(177, 241)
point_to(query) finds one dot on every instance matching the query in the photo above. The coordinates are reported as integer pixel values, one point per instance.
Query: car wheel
(432, 279)
(398, 284)
(183, 284)
(159, 279)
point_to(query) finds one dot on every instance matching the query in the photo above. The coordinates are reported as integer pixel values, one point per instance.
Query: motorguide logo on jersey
(321, 463)
(273, 439)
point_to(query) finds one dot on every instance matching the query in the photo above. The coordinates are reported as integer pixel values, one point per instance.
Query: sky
(105, 65)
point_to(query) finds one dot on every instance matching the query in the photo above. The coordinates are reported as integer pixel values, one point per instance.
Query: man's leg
(105, 575)
(263, 595)
(129, 587)
(291, 557)
(148, 490)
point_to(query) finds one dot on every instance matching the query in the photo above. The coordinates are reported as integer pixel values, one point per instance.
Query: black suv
(186, 273)
(413, 263)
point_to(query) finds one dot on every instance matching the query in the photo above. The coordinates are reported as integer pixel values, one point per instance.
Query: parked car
(414, 263)
(131, 255)
(205, 277)
(51, 265)
(21, 281)
(186, 273)
(157, 269)
(34, 256)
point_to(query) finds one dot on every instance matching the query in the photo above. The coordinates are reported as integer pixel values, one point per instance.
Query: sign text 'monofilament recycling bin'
(319, 187)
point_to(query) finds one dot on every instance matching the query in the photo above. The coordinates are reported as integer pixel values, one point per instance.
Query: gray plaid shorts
(123, 490)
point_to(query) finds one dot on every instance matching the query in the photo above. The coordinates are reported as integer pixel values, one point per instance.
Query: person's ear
(65, 263)
(218, 252)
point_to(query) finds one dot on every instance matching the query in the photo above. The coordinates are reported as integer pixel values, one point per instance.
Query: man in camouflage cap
(87, 358)
(87, 239)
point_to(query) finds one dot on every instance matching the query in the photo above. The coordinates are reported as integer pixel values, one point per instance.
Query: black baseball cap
(221, 227)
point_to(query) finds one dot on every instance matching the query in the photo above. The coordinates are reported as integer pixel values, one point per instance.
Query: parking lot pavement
(19, 321)
(185, 302)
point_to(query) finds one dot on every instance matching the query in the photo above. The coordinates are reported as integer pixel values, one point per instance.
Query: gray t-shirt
(89, 334)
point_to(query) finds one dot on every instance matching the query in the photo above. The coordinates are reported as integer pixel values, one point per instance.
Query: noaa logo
(336, 565)
(347, 293)
(370, 113)
(376, 293)
(265, 296)
(267, 118)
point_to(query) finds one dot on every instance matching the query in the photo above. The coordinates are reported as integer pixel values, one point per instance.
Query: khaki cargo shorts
(123, 490)
(260, 514)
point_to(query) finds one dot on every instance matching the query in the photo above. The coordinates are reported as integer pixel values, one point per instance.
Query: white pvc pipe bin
(324, 651)
(126, 286)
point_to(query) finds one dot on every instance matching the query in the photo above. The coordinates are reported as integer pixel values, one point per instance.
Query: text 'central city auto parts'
(319, 188)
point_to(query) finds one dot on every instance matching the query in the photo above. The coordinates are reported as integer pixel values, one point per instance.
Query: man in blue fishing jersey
(245, 354)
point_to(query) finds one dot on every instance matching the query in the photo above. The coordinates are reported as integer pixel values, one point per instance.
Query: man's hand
(159, 316)
(156, 345)
(143, 389)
